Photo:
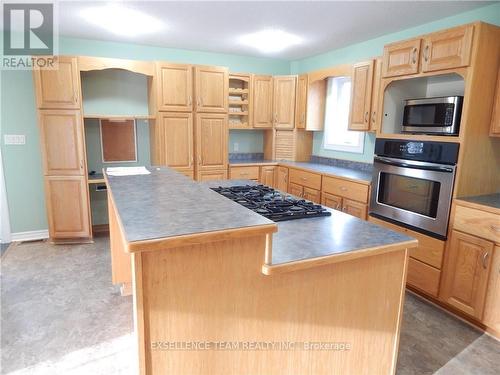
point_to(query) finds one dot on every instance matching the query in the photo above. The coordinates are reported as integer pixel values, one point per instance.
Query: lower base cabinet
(491, 316)
(67, 200)
(211, 175)
(423, 277)
(346, 205)
(268, 175)
(466, 272)
(281, 181)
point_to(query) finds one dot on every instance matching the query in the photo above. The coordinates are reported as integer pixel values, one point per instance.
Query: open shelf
(97, 178)
(238, 113)
(238, 102)
(117, 117)
(236, 91)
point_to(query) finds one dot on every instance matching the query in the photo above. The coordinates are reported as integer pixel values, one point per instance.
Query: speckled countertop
(167, 204)
(350, 173)
(489, 200)
(322, 236)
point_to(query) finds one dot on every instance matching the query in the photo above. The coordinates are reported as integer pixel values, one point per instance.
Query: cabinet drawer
(312, 195)
(304, 178)
(423, 277)
(346, 189)
(480, 223)
(429, 250)
(332, 201)
(244, 173)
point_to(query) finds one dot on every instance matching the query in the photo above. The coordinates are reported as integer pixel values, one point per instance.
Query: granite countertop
(337, 234)
(488, 200)
(167, 204)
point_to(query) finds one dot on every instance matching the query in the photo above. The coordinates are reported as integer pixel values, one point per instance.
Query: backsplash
(246, 156)
(366, 167)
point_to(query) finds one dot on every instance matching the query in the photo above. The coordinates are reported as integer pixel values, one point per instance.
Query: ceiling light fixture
(271, 40)
(121, 21)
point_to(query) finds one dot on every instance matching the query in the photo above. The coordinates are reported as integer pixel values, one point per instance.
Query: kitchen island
(220, 289)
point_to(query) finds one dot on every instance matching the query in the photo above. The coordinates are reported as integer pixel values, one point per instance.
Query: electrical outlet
(14, 139)
(236, 146)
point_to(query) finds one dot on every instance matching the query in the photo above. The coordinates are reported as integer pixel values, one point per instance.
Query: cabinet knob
(414, 56)
(495, 228)
(485, 259)
(343, 188)
(366, 116)
(373, 117)
(189, 100)
(426, 53)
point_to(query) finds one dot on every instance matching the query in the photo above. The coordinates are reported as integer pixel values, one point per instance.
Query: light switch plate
(14, 139)
(236, 146)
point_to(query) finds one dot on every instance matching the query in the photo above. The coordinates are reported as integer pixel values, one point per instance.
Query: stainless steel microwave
(433, 115)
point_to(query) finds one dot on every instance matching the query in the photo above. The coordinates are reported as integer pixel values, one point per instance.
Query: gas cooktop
(271, 203)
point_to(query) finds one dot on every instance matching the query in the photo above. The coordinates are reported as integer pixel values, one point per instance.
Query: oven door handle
(416, 164)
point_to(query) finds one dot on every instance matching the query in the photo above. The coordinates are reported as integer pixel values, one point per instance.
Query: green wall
(374, 47)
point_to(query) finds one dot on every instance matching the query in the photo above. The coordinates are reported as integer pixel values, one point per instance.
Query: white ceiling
(216, 26)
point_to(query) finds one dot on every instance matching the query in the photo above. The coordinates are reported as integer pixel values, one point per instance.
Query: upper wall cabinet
(175, 87)
(361, 96)
(284, 102)
(211, 89)
(58, 88)
(262, 101)
(177, 133)
(495, 116)
(447, 49)
(441, 50)
(61, 137)
(301, 107)
(401, 58)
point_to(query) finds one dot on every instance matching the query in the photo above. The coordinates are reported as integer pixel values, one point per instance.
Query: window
(337, 137)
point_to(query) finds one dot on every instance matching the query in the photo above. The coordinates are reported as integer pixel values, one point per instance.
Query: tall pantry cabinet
(192, 127)
(59, 104)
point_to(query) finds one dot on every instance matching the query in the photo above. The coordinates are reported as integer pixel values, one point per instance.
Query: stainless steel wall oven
(413, 184)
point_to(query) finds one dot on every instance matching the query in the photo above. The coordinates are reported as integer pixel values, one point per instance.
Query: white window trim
(358, 148)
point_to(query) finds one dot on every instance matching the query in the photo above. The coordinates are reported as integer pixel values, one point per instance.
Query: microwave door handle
(427, 166)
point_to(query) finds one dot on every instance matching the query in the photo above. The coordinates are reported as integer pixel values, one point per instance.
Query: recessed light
(121, 20)
(271, 40)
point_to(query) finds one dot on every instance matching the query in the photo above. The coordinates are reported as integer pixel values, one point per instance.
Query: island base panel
(216, 292)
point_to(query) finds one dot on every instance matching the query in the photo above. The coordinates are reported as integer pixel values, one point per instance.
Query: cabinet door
(267, 175)
(67, 207)
(354, 208)
(361, 96)
(175, 87)
(312, 195)
(401, 58)
(284, 102)
(295, 189)
(376, 107)
(58, 88)
(495, 116)
(447, 49)
(301, 107)
(492, 306)
(282, 179)
(177, 131)
(332, 201)
(211, 89)
(61, 137)
(211, 141)
(262, 101)
(466, 271)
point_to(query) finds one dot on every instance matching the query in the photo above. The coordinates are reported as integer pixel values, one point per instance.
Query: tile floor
(61, 315)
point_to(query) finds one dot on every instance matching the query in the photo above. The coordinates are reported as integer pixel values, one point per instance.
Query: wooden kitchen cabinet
(282, 179)
(177, 136)
(211, 175)
(312, 195)
(295, 189)
(175, 87)
(492, 306)
(67, 207)
(211, 89)
(401, 58)
(332, 201)
(262, 101)
(244, 173)
(211, 142)
(495, 116)
(58, 88)
(284, 102)
(376, 105)
(62, 144)
(361, 96)
(465, 274)
(267, 175)
(447, 49)
(301, 106)
(354, 208)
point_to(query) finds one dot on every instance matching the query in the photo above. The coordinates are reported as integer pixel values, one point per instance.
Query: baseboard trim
(30, 235)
